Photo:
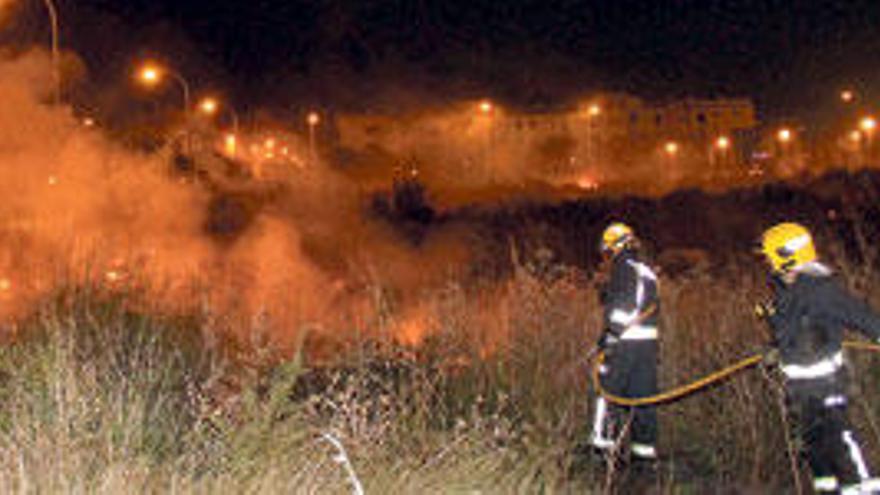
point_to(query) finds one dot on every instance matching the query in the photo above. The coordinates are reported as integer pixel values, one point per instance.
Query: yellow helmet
(617, 236)
(787, 246)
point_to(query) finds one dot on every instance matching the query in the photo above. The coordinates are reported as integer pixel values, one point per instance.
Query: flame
(412, 328)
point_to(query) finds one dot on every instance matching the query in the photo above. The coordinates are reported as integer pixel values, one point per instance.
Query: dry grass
(98, 398)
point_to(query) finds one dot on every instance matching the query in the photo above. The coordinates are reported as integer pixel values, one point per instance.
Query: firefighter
(629, 341)
(807, 315)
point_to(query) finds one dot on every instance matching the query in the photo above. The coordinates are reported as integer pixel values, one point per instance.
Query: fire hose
(694, 386)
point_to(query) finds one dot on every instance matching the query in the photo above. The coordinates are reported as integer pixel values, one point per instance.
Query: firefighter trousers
(629, 370)
(818, 409)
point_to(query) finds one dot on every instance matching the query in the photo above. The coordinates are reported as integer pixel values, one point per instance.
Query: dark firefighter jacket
(630, 298)
(810, 315)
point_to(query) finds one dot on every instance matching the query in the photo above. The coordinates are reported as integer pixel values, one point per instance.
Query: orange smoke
(78, 208)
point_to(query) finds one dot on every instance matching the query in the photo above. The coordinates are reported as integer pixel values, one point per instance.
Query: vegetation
(100, 394)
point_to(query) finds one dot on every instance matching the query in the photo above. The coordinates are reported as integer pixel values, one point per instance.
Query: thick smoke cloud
(78, 206)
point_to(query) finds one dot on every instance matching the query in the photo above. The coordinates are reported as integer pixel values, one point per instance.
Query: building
(602, 132)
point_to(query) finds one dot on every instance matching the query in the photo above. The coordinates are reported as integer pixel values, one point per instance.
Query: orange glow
(784, 135)
(313, 119)
(868, 124)
(486, 106)
(88, 122)
(671, 148)
(414, 327)
(150, 74)
(269, 143)
(52, 180)
(230, 143)
(847, 96)
(5, 285)
(594, 110)
(209, 106)
(722, 143)
(588, 183)
(855, 136)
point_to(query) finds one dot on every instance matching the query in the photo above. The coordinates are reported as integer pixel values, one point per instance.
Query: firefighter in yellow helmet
(629, 340)
(807, 316)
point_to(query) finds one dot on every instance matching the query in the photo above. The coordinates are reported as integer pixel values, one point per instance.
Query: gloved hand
(771, 358)
(765, 309)
(607, 340)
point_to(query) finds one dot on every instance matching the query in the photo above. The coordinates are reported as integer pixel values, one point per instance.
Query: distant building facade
(608, 128)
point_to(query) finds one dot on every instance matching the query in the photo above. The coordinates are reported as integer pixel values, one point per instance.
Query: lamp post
(152, 74)
(868, 125)
(211, 106)
(313, 119)
(593, 112)
(56, 59)
(719, 152)
(487, 109)
(784, 138)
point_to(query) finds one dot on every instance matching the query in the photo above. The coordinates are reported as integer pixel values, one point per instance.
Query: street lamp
(313, 119)
(208, 106)
(151, 75)
(847, 96)
(593, 112)
(56, 60)
(719, 149)
(784, 135)
(671, 148)
(230, 142)
(211, 106)
(487, 109)
(868, 125)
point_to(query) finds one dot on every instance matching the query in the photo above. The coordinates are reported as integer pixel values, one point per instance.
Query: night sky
(788, 55)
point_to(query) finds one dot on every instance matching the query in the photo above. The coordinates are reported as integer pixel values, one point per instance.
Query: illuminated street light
(209, 106)
(671, 148)
(312, 119)
(593, 111)
(230, 142)
(847, 96)
(855, 136)
(151, 75)
(868, 125)
(722, 143)
(487, 108)
(784, 135)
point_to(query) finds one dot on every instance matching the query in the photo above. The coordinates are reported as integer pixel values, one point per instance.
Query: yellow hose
(694, 386)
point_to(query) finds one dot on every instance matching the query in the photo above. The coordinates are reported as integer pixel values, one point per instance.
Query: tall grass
(99, 395)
